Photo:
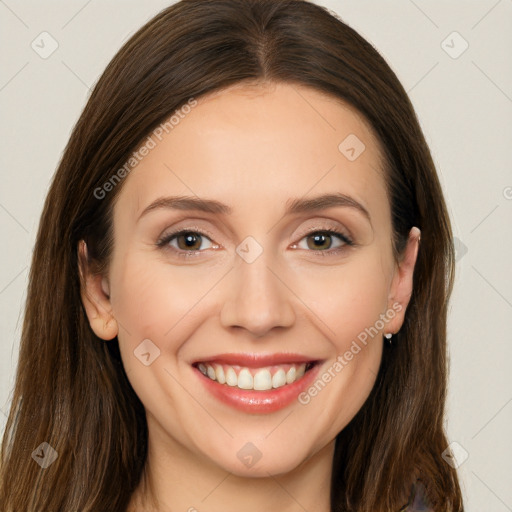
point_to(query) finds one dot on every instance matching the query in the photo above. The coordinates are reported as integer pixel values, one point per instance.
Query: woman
(189, 342)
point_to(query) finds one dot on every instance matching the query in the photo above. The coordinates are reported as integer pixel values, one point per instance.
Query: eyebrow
(293, 206)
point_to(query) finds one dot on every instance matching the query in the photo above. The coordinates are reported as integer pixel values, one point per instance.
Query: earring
(388, 337)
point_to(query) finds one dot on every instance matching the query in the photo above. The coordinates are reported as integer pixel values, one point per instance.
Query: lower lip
(259, 402)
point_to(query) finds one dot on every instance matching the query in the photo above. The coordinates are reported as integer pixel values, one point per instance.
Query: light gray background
(465, 108)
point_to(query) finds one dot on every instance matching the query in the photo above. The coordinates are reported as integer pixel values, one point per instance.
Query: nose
(258, 298)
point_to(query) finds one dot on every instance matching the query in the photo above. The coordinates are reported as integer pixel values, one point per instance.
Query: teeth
(279, 379)
(245, 380)
(231, 378)
(219, 373)
(210, 371)
(262, 379)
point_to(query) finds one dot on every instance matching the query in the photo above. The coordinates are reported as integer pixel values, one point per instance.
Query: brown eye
(325, 241)
(189, 241)
(319, 241)
(186, 241)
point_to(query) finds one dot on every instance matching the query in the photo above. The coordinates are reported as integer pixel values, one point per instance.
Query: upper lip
(257, 360)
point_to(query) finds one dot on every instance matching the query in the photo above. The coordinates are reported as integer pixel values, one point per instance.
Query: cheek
(346, 298)
(347, 302)
(151, 298)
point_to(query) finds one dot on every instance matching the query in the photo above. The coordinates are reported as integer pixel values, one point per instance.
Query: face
(276, 274)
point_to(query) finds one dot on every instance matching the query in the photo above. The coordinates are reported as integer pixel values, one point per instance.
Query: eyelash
(164, 241)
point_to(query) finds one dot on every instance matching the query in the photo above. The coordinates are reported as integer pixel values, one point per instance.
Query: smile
(256, 383)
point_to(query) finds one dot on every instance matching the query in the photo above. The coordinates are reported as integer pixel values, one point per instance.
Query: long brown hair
(71, 390)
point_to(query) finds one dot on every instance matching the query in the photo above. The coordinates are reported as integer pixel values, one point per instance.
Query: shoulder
(418, 501)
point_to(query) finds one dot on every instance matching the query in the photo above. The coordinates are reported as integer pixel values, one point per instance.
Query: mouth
(259, 379)
(256, 383)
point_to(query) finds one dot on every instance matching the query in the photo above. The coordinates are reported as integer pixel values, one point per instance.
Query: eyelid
(344, 239)
(326, 226)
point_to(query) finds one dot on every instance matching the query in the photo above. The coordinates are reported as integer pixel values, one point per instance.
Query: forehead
(251, 146)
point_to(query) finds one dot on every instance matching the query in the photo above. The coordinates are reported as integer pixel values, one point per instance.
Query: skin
(252, 148)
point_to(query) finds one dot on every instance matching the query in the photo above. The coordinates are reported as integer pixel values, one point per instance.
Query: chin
(263, 467)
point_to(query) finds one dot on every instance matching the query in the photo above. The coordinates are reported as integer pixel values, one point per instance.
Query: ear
(402, 282)
(95, 293)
